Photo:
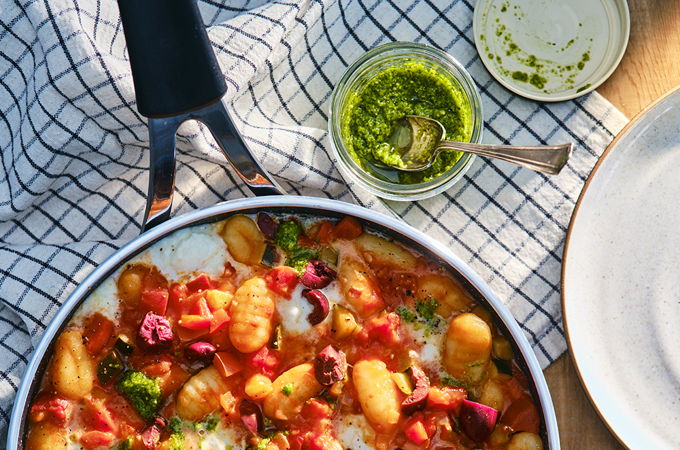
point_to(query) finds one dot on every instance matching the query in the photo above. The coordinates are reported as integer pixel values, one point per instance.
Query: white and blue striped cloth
(73, 170)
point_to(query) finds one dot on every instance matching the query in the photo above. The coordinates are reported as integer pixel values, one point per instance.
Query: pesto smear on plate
(412, 88)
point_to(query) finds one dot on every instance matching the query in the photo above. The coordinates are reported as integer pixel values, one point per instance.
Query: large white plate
(621, 281)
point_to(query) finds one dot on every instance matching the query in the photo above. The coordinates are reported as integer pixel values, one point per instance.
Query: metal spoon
(419, 140)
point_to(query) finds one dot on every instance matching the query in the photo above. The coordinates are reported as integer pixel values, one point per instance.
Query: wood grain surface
(650, 67)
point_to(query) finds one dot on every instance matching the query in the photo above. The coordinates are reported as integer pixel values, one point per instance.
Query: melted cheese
(103, 300)
(190, 251)
(353, 431)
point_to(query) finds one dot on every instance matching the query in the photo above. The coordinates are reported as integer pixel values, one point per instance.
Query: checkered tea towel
(75, 150)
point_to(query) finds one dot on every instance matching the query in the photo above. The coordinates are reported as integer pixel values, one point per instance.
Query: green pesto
(372, 111)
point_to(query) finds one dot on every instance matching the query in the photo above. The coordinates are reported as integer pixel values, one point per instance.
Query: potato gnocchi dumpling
(315, 334)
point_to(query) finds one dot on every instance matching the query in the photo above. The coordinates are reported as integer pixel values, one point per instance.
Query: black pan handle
(173, 66)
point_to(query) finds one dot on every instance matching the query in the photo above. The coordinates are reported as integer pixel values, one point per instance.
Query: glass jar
(359, 74)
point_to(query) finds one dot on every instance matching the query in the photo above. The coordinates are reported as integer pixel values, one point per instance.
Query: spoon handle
(545, 158)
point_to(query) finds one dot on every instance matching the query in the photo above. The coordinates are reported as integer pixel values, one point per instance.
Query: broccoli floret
(176, 442)
(175, 425)
(142, 392)
(298, 260)
(287, 235)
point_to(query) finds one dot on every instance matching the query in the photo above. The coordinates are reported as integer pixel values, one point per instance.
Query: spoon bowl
(419, 140)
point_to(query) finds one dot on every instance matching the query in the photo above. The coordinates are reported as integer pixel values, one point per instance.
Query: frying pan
(165, 35)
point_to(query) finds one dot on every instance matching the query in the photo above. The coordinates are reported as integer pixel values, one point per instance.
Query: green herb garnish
(450, 381)
(175, 425)
(406, 314)
(287, 389)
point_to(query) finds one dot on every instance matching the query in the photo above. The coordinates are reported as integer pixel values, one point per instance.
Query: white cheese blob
(353, 431)
(431, 345)
(103, 300)
(294, 312)
(190, 251)
(221, 438)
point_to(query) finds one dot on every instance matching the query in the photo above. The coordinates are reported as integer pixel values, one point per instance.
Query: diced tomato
(304, 241)
(94, 439)
(220, 319)
(155, 301)
(522, 415)
(186, 334)
(317, 409)
(264, 361)
(446, 398)
(98, 417)
(177, 295)
(347, 228)
(98, 331)
(415, 431)
(228, 403)
(157, 369)
(384, 328)
(227, 364)
(194, 322)
(200, 283)
(282, 280)
(200, 308)
(325, 233)
(54, 409)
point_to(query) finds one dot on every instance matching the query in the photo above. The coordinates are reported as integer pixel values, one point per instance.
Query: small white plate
(551, 50)
(621, 281)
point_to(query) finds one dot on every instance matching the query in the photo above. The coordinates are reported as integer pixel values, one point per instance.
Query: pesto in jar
(412, 88)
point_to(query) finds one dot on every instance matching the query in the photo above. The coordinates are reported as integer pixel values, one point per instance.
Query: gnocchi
(378, 250)
(378, 394)
(290, 391)
(358, 288)
(251, 313)
(244, 239)
(200, 395)
(73, 371)
(468, 348)
(46, 436)
(450, 296)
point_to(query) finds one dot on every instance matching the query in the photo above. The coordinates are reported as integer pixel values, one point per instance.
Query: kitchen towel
(75, 149)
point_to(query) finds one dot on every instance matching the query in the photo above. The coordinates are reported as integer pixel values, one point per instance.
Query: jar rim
(385, 189)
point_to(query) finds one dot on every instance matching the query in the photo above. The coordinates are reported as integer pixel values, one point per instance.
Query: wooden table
(650, 67)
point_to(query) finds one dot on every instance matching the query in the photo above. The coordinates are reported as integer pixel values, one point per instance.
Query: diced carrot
(415, 431)
(227, 364)
(194, 322)
(98, 331)
(522, 415)
(446, 398)
(155, 301)
(200, 283)
(347, 228)
(282, 280)
(325, 233)
(384, 328)
(219, 320)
